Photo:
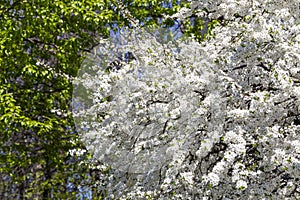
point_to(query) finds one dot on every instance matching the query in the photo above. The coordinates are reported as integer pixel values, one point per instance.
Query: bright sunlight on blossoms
(187, 119)
(140, 114)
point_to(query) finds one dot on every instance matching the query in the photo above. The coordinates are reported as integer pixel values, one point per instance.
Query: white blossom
(217, 119)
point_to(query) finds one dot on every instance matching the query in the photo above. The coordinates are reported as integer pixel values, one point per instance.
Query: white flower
(212, 178)
(241, 184)
(188, 176)
(238, 113)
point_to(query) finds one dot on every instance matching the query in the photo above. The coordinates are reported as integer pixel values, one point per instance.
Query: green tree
(41, 47)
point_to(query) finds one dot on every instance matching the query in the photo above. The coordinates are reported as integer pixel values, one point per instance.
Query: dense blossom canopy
(183, 119)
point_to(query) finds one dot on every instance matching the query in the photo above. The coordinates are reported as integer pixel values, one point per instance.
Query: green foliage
(41, 47)
(199, 28)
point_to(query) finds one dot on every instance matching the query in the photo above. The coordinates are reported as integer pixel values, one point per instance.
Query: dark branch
(263, 66)
(240, 67)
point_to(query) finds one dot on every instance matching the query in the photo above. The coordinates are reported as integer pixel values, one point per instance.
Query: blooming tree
(182, 119)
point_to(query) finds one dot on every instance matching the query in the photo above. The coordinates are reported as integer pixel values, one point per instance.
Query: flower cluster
(216, 119)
